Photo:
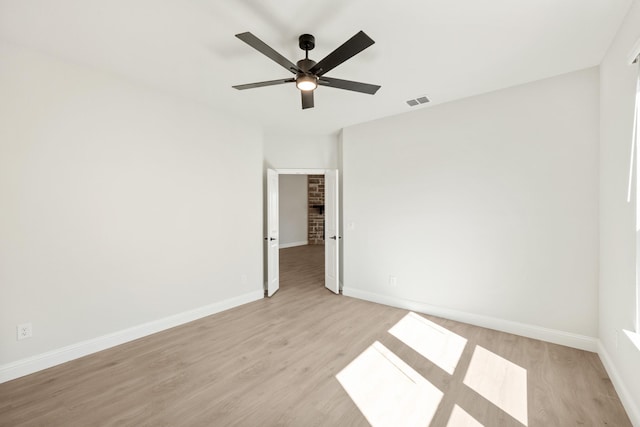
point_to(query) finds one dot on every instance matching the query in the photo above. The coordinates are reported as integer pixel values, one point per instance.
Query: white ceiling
(445, 49)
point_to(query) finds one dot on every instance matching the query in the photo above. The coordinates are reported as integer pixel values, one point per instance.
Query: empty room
(337, 213)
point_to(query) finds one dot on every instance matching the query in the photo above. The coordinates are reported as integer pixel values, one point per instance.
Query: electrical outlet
(24, 331)
(243, 279)
(393, 281)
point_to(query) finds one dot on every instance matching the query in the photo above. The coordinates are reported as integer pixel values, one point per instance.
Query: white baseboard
(628, 401)
(568, 339)
(292, 244)
(55, 357)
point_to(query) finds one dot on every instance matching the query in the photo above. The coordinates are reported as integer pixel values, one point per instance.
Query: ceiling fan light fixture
(306, 83)
(309, 74)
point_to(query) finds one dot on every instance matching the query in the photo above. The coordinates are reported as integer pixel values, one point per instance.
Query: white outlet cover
(24, 331)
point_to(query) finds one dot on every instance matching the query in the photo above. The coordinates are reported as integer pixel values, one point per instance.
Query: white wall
(116, 204)
(617, 220)
(487, 206)
(294, 151)
(293, 210)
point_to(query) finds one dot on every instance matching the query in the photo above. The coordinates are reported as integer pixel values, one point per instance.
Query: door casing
(334, 288)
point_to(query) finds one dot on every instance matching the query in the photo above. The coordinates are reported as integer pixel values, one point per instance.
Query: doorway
(301, 216)
(306, 228)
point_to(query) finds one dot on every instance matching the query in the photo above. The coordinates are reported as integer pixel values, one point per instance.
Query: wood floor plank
(274, 362)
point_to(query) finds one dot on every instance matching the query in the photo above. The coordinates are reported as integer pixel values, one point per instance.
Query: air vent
(419, 100)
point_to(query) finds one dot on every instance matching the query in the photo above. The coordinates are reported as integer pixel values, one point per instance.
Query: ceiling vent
(419, 100)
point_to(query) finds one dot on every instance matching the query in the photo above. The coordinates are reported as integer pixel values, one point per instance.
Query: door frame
(300, 171)
(272, 238)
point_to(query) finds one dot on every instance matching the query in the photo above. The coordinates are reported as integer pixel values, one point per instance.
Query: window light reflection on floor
(460, 418)
(500, 381)
(387, 391)
(438, 344)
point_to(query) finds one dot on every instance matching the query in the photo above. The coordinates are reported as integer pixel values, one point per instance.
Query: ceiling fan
(310, 74)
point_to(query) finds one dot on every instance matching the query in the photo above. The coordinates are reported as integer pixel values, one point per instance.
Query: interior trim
(61, 355)
(554, 336)
(628, 401)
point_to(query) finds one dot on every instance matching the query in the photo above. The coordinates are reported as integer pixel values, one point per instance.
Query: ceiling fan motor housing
(306, 64)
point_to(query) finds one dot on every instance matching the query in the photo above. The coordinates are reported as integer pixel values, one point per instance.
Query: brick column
(316, 209)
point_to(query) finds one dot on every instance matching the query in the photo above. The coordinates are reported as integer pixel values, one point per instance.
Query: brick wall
(316, 214)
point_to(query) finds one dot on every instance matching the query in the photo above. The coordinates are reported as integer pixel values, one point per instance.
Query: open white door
(331, 232)
(273, 256)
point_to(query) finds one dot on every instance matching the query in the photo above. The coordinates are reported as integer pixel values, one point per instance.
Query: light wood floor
(273, 363)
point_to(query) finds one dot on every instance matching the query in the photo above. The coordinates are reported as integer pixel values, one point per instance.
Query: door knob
(270, 238)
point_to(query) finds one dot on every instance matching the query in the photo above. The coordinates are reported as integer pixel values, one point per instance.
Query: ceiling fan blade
(307, 99)
(266, 50)
(349, 85)
(348, 49)
(262, 84)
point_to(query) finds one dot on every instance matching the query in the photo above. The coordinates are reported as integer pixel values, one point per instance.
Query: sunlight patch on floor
(387, 390)
(438, 344)
(500, 381)
(460, 418)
